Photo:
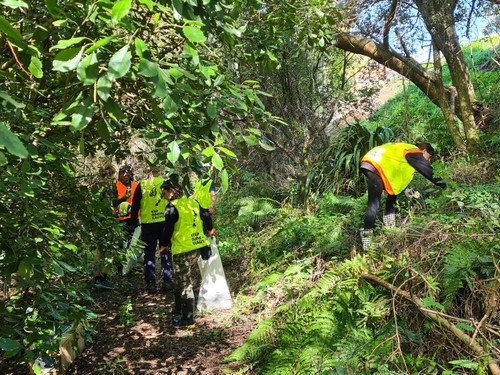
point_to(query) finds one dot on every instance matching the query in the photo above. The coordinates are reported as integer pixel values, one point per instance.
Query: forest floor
(142, 339)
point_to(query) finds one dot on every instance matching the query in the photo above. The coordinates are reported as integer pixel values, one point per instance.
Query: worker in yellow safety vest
(150, 204)
(391, 167)
(184, 235)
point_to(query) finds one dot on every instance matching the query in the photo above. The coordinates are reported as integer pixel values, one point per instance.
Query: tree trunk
(438, 16)
(408, 67)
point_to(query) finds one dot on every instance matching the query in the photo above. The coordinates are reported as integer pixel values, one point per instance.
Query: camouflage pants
(183, 262)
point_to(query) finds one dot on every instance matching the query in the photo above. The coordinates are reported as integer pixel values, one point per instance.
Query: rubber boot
(367, 239)
(187, 320)
(389, 221)
(177, 310)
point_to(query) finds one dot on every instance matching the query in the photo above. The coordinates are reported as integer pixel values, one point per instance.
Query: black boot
(177, 310)
(187, 320)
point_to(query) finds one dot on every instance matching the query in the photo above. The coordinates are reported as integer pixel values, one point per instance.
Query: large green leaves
(11, 142)
(119, 64)
(120, 10)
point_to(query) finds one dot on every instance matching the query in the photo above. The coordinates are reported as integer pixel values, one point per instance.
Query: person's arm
(136, 202)
(423, 167)
(212, 198)
(208, 225)
(171, 217)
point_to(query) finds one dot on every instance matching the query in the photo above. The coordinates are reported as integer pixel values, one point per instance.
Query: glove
(206, 252)
(440, 182)
(410, 193)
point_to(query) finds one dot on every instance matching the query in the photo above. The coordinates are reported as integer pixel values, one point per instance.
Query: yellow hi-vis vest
(152, 203)
(188, 230)
(389, 160)
(202, 194)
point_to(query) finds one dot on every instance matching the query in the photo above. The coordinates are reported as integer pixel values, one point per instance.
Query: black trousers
(375, 189)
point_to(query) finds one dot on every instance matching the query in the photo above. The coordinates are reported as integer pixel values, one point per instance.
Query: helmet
(124, 209)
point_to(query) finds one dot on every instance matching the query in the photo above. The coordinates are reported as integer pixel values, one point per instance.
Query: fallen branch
(439, 319)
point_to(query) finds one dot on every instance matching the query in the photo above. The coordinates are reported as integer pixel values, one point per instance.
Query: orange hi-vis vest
(389, 161)
(122, 190)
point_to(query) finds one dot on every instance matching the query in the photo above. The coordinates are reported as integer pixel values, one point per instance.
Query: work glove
(412, 194)
(440, 182)
(206, 252)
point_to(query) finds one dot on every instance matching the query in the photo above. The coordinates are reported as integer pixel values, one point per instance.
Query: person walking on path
(104, 190)
(391, 167)
(183, 234)
(148, 199)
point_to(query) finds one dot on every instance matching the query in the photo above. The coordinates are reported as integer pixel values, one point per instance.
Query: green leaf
(227, 152)
(35, 67)
(11, 142)
(3, 159)
(217, 161)
(140, 47)
(81, 118)
(429, 302)
(120, 10)
(148, 68)
(62, 44)
(114, 110)
(100, 43)
(212, 110)
(88, 70)
(225, 180)
(7, 99)
(266, 147)
(102, 130)
(173, 151)
(11, 33)
(169, 105)
(104, 84)
(67, 60)
(194, 34)
(53, 8)
(14, 3)
(251, 139)
(11, 347)
(119, 64)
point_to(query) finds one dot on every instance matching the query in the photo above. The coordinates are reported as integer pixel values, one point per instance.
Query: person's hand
(164, 250)
(211, 210)
(212, 232)
(440, 183)
(206, 252)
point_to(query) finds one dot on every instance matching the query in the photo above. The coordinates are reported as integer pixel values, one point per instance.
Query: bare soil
(144, 341)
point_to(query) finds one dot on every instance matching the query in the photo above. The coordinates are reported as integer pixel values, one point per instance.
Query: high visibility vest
(122, 190)
(188, 230)
(202, 194)
(389, 160)
(152, 202)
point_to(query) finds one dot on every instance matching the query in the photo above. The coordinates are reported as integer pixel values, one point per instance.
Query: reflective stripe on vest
(152, 202)
(188, 230)
(122, 190)
(389, 160)
(202, 194)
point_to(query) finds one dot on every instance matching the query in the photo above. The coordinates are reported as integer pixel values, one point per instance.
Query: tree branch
(439, 319)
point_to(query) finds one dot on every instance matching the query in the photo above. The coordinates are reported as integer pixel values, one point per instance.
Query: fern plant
(339, 163)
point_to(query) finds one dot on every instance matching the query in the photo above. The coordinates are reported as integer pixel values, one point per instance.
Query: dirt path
(142, 340)
(149, 344)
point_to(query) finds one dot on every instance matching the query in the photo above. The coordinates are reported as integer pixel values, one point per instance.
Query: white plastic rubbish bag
(214, 292)
(135, 253)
